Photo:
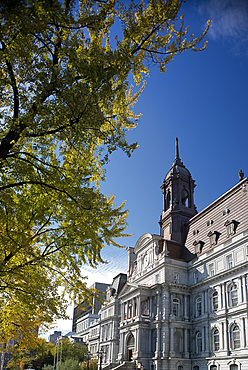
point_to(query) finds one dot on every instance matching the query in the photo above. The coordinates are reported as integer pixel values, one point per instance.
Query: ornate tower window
(168, 199)
(185, 197)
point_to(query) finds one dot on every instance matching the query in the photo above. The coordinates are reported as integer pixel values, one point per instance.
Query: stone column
(222, 335)
(241, 289)
(246, 288)
(138, 306)
(137, 342)
(133, 306)
(158, 340)
(150, 306)
(171, 339)
(186, 353)
(203, 338)
(221, 296)
(171, 303)
(185, 307)
(164, 340)
(244, 331)
(158, 305)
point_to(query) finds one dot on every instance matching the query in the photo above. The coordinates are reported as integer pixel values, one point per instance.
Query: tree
(66, 104)
(75, 351)
(41, 354)
(69, 364)
(93, 365)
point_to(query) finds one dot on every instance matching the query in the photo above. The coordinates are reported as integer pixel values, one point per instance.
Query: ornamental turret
(178, 201)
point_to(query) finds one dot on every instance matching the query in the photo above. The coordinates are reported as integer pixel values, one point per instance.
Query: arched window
(215, 301)
(168, 199)
(178, 348)
(196, 367)
(213, 367)
(233, 295)
(198, 306)
(235, 336)
(180, 367)
(185, 197)
(234, 367)
(198, 340)
(216, 340)
(176, 307)
(130, 342)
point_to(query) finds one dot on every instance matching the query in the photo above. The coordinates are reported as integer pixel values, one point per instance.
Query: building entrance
(130, 347)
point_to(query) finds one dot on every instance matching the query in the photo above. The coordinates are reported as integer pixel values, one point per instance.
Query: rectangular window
(195, 276)
(211, 269)
(176, 278)
(229, 261)
(198, 307)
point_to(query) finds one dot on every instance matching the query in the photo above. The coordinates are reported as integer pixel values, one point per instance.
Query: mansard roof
(230, 208)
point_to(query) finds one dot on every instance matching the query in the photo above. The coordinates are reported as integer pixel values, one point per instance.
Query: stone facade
(185, 303)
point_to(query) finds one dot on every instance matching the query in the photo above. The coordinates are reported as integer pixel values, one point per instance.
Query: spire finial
(177, 149)
(241, 175)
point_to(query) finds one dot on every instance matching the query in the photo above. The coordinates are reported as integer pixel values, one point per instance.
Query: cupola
(178, 200)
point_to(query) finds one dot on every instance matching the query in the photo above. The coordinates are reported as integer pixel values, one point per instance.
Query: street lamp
(100, 356)
(88, 360)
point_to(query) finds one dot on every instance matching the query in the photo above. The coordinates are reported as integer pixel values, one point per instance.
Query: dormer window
(198, 244)
(213, 237)
(231, 226)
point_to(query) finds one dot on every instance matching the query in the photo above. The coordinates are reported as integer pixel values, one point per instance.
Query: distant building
(5, 357)
(185, 303)
(104, 336)
(53, 337)
(85, 313)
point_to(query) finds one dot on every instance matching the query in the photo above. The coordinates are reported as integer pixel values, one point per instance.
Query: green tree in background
(42, 354)
(69, 364)
(66, 104)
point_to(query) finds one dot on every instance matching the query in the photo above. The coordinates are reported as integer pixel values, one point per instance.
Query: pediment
(128, 288)
(142, 242)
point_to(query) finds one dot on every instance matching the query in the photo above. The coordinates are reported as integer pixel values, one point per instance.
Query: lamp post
(100, 355)
(88, 360)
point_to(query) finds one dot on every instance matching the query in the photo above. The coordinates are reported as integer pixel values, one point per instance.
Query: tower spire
(178, 198)
(177, 150)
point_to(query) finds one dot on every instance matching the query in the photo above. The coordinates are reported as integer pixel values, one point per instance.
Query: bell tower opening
(185, 197)
(178, 194)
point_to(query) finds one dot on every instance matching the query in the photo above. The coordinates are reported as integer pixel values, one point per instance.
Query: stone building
(104, 335)
(86, 312)
(185, 303)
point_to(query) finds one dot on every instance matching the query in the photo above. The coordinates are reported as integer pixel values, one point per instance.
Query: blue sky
(203, 100)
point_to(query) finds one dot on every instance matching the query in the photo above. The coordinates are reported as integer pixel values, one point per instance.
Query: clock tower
(178, 201)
